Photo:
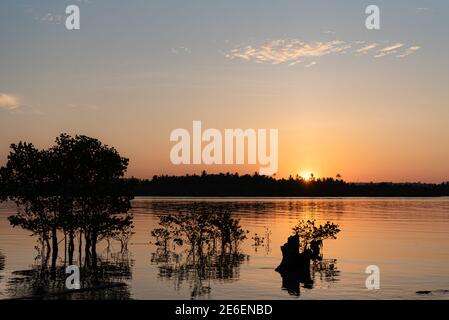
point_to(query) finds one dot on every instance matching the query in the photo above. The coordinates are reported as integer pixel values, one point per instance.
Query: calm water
(408, 239)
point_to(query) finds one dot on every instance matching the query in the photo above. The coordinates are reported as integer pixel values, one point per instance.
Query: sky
(371, 105)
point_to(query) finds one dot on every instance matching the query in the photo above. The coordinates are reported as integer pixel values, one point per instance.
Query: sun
(307, 174)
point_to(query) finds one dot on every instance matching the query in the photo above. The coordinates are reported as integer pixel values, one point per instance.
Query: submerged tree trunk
(48, 245)
(87, 250)
(292, 259)
(295, 266)
(315, 249)
(65, 248)
(80, 248)
(54, 256)
(94, 249)
(71, 246)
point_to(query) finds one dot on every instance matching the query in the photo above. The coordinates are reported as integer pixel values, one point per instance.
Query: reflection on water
(184, 269)
(209, 238)
(324, 270)
(108, 281)
(407, 238)
(262, 241)
(2, 264)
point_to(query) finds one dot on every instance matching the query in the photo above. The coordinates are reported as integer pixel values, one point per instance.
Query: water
(408, 239)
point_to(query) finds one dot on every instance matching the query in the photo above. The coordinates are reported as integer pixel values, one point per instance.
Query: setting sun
(307, 174)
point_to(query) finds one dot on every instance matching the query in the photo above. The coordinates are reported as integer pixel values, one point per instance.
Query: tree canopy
(72, 188)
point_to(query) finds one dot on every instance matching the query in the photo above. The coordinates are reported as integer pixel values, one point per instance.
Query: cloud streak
(366, 49)
(388, 50)
(14, 105)
(408, 52)
(9, 102)
(294, 51)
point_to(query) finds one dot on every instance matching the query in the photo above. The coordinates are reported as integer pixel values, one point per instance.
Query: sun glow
(307, 175)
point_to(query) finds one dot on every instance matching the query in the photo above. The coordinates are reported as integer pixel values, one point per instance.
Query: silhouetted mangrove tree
(198, 244)
(71, 190)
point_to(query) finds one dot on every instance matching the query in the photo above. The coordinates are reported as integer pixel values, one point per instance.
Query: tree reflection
(109, 281)
(2, 264)
(324, 270)
(198, 245)
(262, 241)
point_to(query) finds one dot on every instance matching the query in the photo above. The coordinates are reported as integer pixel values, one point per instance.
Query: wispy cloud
(294, 51)
(421, 10)
(366, 49)
(180, 49)
(77, 106)
(388, 50)
(9, 102)
(44, 14)
(408, 52)
(13, 104)
(291, 51)
(311, 64)
(51, 18)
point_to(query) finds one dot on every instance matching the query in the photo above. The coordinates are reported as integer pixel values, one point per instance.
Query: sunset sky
(370, 105)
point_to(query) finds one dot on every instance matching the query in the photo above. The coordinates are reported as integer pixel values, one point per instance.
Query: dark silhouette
(185, 268)
(295, 266)
(262, 241)
(227, 184)
(292, 259)
(2, 264)
(199, 244)
(70, 190)
(312, 236)
(108, 282)
(302, 249)
(203, 227)
(325, 270)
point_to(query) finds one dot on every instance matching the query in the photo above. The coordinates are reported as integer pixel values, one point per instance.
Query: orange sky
(370, 105)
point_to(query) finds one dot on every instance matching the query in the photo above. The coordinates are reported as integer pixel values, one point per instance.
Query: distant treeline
(235, 185)
(227, 184)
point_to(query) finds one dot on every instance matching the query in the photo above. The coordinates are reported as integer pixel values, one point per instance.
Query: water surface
(408, 239)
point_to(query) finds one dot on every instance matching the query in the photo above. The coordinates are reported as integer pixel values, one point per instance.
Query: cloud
(26, 110)
(14, 105)
(311, 64)
(295, 51)
(408, 52)
(76, 106)
(51, 18)
(294, 63)
(291, 51)
(421, 10)
(366, 49)
(9, 102)
(388, 50)
(44, 14)
(181, 49)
